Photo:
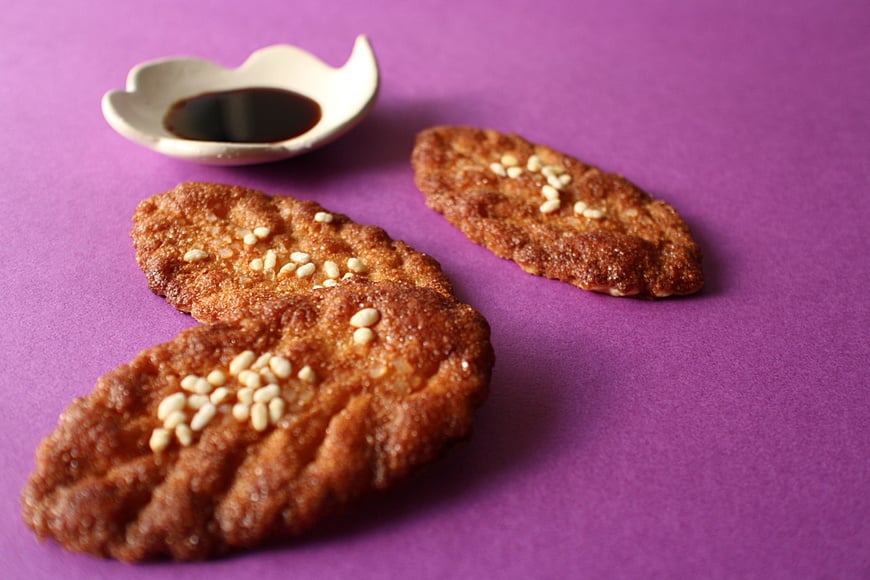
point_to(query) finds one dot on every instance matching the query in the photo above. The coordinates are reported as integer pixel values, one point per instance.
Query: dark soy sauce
(251, 115)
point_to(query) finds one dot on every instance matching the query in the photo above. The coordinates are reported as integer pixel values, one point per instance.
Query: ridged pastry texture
(556, 216)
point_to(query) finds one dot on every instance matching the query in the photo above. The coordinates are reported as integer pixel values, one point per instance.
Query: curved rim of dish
(346, 94)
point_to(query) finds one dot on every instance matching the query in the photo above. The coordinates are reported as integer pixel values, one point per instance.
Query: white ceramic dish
(345, 95)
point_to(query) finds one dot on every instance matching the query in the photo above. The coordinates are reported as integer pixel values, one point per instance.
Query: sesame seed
(363, 335)
(241, 412)
(270, 260)
(174, 402)
(514, 172)
(262, 361)
(554, 182)
(549, 192)
(195, 255)
(267, 393)
(347, 276)
(219, 395)
(245, 395)
(250, 379)
(498, 169)
(323, 217)
(580, 207)
(365, 317)
(276, 409)
(188, 382)
(201, 386)
(203, 416)
(307, 374)
(256, 264)
(262, 232)
(280, 366)
(216, 378)
(356, 265)
(305, 270)
(549, 170)
(593, 213)
(288, 267)
(509, 160)
(259, 416)
(197, 401)
(249, 239)
(331, 269)
(534, 163)
(550, 206)
(159, 440)
(174, 419)
(300, 257)
(184, 434)
(242, 361)
(565, 179)
(329, 283)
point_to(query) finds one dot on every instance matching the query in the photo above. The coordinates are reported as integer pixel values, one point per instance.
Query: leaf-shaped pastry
(240, 432)
(554, 215)
(217, 250)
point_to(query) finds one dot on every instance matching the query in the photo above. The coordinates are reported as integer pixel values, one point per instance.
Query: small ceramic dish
(345, 96)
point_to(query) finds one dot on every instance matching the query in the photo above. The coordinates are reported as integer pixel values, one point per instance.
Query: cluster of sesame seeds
(363, 321)
(557, 179)
(248, 389)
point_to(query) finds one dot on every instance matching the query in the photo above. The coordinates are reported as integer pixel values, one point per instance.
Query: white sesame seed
(259, 416)
(262, 232)
(565, 179)
(331, 270)
(241, 412)
(250, 379)
(184, 434)
(550, 206)
(276, 409)
(365, 317)
(219, 395)
(593, 213)
(174, 419)
(347, 276)
(363, 335)
(197, 401)
(202, 386)
(580, 207)
(323, 217)
(249, 239)
(256, 264)
(509, 160)
(188, 382)
(270, 260)
(356, 265)
(305, 270)
(195, 255)
(498, 169)
(280, 366)
(549, 170)
(555, 182)
(242, 361)
(317, 287)
(288, 267)
(514, 172)
(267, 393)
(300, 257)
(216, 378)
(174, 402)
(307, 374)
(245, 395)
(159, 440)
(534, 163)
(203, 416)
(549, 192)
(329, 283)
(262, 361)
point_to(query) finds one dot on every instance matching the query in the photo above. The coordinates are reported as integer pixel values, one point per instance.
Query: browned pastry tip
(239, 432)
(556, 216)
(217, 250)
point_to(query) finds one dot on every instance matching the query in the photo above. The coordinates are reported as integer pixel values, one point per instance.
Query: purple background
(720, 436)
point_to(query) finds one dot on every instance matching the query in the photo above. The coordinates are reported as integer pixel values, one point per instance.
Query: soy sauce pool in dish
(250, 115)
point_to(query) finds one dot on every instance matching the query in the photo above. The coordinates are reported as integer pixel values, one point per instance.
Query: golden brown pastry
(240, 432)
(554, 215)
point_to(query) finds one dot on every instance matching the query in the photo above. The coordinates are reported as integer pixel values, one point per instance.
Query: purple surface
(720, 436)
